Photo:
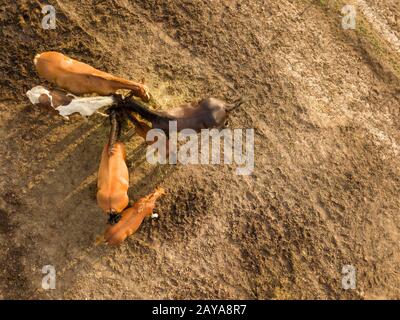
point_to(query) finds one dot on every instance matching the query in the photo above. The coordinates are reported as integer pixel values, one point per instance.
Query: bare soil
(324, 103)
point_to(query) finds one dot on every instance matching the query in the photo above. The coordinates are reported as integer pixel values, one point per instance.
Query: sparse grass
(323, 2)
(282, 294)
(379, 47)
(375, 45)
(170, 94)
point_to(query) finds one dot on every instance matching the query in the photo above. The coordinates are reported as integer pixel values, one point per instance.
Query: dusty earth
(324, 103)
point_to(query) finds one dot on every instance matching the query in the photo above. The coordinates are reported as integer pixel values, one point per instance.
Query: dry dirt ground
(324, 103)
